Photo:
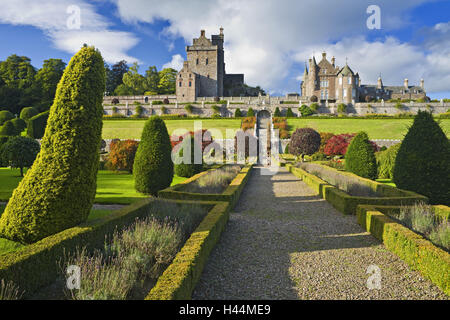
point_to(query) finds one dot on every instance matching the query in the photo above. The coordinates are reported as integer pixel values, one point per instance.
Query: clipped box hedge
(179, 279)
(36, 265)
(419, 253)
(346, 203)
(231, 193)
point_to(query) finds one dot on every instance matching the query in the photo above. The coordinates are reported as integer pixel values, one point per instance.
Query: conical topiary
(360, 157)
(422, 164)
(153, 166)
(58, 190)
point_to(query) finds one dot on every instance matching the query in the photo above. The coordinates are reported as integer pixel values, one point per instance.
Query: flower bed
(36, 265)
(419, 253)
(230, 194)
(381, 194)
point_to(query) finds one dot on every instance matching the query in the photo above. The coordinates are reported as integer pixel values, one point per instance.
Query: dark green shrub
(187, 166)
(289, 113)
(59, 189)
(20, 152)
(277, 112)
(139, 110)
(305, 111)
(360, 157)
(153, 166)
(286, 149)
(5, 115)
(341, 108)
(423, 160)
(304, 141)
(8, 129)
(386, 162)
(238, 113)
(37, 124)
(28, 113)
(314, 107)
(318, 156)
(189, 108)
(19, 125)
(157, 102)
(250, 112)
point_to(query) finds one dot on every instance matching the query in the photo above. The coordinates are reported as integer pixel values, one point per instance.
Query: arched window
(207, 61)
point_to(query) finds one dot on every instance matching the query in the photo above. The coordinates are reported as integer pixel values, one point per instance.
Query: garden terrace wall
(36, 265)
(346, 203)
(231, 193)
(419, 253)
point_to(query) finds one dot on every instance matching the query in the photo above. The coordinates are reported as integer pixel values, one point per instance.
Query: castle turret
(379, 83)
(422, 84)
(405, 84)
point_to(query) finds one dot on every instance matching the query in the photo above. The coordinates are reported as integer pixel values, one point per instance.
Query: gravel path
(284, 242)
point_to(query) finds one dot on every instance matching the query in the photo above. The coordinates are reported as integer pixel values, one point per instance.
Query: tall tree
(46, 80)
(114, 76)
(152, 77)
(167, 81)
(135, 81)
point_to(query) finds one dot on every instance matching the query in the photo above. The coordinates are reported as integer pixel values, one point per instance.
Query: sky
(267, 40)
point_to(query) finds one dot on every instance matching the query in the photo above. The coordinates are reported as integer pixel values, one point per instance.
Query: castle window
(344, 93)
(337, 93)
(340, 81)
(349, 80)
(207, 61)
(196, 61)
(180, 84)
(190, 84)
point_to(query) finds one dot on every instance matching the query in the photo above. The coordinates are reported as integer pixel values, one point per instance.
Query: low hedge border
(346, 203)
(231, 193)
(419, 253)
(36, 265)
(179, 279)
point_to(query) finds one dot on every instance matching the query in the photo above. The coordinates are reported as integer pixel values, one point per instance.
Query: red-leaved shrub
(338, 144)
(121, 155)
(174, 140)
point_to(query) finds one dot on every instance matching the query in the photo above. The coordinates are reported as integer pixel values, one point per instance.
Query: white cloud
(176, 62)
(267, 39)
(51, 16)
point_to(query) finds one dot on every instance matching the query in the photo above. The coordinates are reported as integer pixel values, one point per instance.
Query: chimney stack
(202, 33)
(324, 55)
(422, 84)
(379, 83)
(405, 84)
(221, 31)
(333, 61)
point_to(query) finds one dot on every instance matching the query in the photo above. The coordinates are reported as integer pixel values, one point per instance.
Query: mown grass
(112, 187)
(132, 129)
(375, 128)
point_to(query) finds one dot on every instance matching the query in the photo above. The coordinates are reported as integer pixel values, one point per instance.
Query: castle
(203, 74)
(330, 83)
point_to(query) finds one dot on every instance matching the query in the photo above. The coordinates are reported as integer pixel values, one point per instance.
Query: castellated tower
(203, 74)
(206, 59)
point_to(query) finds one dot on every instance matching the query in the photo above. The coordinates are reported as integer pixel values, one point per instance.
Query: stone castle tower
(203, 74)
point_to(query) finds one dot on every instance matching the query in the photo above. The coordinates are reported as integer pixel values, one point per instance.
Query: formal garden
(160, 215)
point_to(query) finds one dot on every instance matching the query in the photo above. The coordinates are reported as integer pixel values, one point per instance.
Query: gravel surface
(284, 242)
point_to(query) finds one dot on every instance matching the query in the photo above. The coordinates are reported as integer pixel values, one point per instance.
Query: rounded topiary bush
(386, 162)
(360, 157)
(19, 125)
(8, 129)
(153, 166)
(28, 113)
(250, 112)
(422, 164)
(20, 152)
(304, 141)
(238, 113)
(186, 166)
(59, 189)
(5, 115)
(305, 111)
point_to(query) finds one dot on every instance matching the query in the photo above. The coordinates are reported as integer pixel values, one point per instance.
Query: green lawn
(132, 129)
(375, 128)
(112, 187)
